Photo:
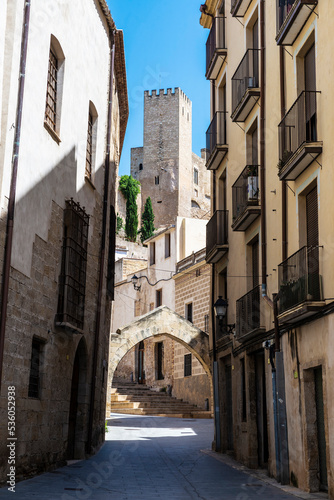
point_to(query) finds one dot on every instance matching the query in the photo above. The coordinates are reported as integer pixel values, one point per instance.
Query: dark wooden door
(261, 410)
(73, 409)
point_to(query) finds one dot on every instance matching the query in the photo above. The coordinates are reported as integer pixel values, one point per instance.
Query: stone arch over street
(160, 321)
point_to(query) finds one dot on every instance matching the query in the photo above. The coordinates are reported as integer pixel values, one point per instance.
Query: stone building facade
(57, 261)
(169, 172)
(163, 356)
(270, 233)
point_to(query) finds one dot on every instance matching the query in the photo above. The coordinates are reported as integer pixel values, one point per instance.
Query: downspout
(284, 193)
(12, 193)
(215, 377)
(103, 245)
(262, 154)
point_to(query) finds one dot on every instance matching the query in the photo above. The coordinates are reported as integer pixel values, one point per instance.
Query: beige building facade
(63, 114)
(270, 152)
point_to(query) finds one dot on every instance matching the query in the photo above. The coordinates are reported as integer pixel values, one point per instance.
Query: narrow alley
(153, 458)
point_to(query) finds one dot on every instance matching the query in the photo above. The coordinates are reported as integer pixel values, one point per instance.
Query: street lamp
(134, 281)
(220, 308)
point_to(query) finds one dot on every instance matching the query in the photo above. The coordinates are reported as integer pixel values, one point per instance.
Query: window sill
(68, 327)
(52, 132)
(90, 182)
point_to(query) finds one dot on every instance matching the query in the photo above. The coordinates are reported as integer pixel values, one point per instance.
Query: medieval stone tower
(169, 172)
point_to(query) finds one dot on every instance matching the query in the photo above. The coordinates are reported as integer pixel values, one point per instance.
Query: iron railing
(217, 230)
(248, 312)
(245, 77)
(216, 133)
(245, 191)
(299, 125)
(299, 279)
(216, 39)
(283, 8)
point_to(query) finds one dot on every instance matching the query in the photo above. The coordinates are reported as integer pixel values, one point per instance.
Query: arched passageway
(160, 321)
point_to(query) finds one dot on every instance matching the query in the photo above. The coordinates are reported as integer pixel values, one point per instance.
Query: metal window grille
(187, 365)
(34, 377)
(72, 280)
(89, 149)
(51, 93)
(206, 323)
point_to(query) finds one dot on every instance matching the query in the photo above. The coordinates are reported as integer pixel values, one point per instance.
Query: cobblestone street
(153, 458)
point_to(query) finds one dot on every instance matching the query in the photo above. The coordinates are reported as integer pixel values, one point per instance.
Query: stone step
(163, 412)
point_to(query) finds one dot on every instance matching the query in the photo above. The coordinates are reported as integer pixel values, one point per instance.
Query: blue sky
(164, 47)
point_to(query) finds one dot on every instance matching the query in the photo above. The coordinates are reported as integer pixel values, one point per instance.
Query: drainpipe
(103, 245)
(12, 193)
(262, 154)
(284, 193)
(215, 375)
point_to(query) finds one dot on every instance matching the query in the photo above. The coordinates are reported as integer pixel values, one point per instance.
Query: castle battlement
(167, 92)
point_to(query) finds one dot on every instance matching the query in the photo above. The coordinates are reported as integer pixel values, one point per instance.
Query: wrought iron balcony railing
(245, 85)
(245, 198)
(216, 140)
(291, 17)
(299, 279)
(298, 141)
(249, 314)
(216, 51)
(217, 236)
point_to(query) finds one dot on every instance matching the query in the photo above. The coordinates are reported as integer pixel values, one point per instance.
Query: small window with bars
(187, 365)
(206, 323)
(89, 148)
(34, 388)
(72, 280)
(51, 93)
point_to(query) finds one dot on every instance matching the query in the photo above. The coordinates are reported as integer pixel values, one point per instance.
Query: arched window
(194, 204)
(54, 90)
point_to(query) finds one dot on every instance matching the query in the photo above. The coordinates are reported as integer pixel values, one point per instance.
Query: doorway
(141, 371)
(78, 410)
(261, 410)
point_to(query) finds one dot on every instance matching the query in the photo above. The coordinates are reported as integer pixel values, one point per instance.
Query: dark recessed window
(35, 369)
(158, 298)
(72, 280)
(167, 245)
(140, 166)
(187, 365)
(152, 253)
(189, 312)
(156, 180)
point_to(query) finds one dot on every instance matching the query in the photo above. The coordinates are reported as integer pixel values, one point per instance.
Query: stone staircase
(135, 399)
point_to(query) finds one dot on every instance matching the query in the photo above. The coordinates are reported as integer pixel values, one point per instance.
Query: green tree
(130, 188)
(147, 221)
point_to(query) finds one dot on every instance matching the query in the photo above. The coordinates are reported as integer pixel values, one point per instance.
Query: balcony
(239, 7)
(246, 198)
(245, 86)
(300, 285)
(216, 51)
(291, 17)
(216, 141)
(217, 236)
(249, 315)
(298, 142)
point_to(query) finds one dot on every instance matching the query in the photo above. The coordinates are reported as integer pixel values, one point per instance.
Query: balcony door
(310, 88)
(312, 230)
(255, 46)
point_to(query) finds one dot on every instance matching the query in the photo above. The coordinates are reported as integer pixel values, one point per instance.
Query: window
(91, 141)
(140, 166)
(51, 93)
(187, 365)
(156, 180)
(206, 323)
(72, 280)
(152, 253)
(35, 365)
(54, 88)
(151, 306)
(167, 245)
(196, 193)
(194, 204)
(195, 176)
(137, 307)
(158, 298)
(189, 312)
(198, 272)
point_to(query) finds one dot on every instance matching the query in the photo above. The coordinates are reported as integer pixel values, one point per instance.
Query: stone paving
(154, 458)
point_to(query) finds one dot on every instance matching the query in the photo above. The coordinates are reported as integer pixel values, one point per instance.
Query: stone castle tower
(169, 172)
